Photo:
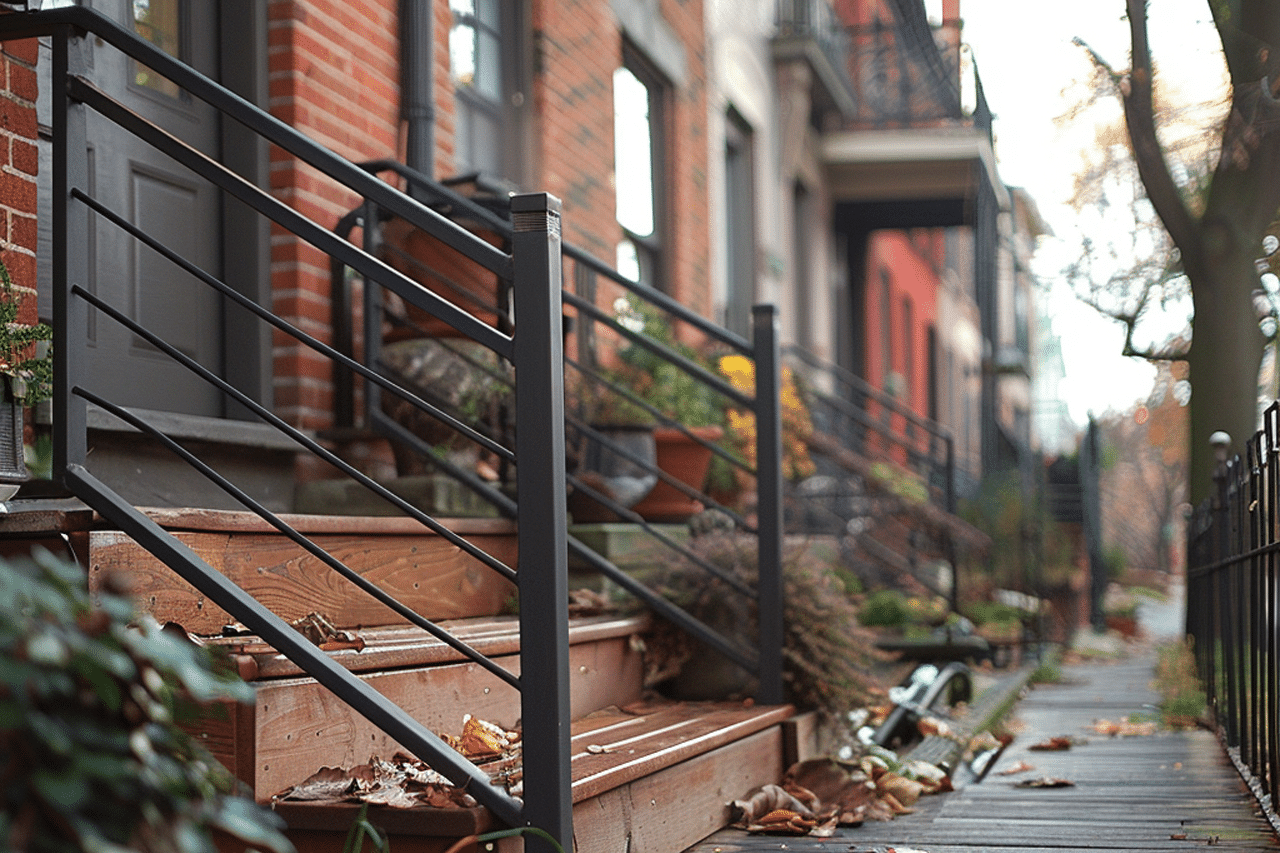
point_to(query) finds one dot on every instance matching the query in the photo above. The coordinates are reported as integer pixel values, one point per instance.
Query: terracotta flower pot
(685, 459)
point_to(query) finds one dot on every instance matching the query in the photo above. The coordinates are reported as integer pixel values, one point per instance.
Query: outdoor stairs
(649, 775)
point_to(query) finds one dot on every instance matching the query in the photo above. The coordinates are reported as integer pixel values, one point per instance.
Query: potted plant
(27, 368)
(682, 451)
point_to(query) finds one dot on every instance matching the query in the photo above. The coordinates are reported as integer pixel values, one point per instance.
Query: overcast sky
(1026, 58)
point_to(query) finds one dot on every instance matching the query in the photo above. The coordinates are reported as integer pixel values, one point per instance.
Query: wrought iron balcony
(810, 30)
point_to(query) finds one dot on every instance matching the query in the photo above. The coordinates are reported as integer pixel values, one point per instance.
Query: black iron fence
(1232, 561)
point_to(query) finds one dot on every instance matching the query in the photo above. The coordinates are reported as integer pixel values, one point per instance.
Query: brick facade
(19, 164)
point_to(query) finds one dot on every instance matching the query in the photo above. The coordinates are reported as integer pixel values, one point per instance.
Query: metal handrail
(847, 401)
(764, 404)
(539, 445)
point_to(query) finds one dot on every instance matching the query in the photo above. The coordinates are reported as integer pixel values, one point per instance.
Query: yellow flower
(797, 426)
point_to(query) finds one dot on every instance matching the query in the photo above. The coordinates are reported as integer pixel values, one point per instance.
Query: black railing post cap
(534, 203)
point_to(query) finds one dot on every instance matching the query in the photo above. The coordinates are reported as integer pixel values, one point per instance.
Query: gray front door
(166, 201)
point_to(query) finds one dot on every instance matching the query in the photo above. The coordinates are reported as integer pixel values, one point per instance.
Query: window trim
(655, 247)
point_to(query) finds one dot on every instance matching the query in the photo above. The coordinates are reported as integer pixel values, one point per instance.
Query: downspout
(417, 74)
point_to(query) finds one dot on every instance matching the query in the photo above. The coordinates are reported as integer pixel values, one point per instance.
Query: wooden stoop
(648, 776)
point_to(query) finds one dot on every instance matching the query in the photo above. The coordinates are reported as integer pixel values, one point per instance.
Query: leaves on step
(406, 782)
(1015, 769)
(323, 633)
(403, 782)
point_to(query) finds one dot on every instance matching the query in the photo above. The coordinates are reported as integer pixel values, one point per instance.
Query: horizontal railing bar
(445, 194)
(662, 300)
(858, 384)
(362, 698)
(290, 329)
(399, 432)
(289, 219)
(664, 352)
(575, 253)
(634, 517)
(664, 608)
(262, 123)
(670, 479)
(301, 438)
(661, 416)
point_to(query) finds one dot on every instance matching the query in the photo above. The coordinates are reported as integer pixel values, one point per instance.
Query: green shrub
(885, 608)
(89, 706)
(1182, 697)
(992, 613)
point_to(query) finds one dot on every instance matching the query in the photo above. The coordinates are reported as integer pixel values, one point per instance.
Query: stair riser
(679, 806)
(427, 574)
(296, 726)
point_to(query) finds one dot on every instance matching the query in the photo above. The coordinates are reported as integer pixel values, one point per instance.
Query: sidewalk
(1159, 792)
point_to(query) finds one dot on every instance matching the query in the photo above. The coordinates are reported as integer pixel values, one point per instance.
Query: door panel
(167, 202)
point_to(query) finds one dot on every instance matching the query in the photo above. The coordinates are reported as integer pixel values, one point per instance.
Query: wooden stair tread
(396, 647)
(614, 747)
(610, 749)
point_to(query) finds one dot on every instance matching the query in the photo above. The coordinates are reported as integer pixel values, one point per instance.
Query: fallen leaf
(1053, 744)
(597, 749)
(1045, 782)
(766, 800)
(1012, 770)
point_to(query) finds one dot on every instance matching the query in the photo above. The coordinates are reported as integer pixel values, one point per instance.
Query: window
(739, 207)
(483, 58)
(638, 172)
(159, 22)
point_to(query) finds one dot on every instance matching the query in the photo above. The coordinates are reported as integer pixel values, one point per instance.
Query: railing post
(70, 261)
(764, 321)
(543, 555)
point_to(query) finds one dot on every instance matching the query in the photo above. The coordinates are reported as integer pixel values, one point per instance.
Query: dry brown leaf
(1053, 744)
(904, 791)
(765, 800)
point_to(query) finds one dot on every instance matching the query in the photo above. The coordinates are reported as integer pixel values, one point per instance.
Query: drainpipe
(417, 76)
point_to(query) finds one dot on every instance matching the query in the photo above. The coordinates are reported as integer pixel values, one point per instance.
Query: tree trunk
(1226, 353)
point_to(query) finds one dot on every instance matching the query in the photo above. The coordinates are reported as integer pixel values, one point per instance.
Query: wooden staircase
(649, 775)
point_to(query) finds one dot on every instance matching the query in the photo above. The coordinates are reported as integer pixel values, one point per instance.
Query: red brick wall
(333, 74)
(18, 166)
(577, 47)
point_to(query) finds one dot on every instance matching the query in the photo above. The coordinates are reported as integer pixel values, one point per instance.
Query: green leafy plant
(90, 702)
(24, 356)
(885, 608)
(658, 382)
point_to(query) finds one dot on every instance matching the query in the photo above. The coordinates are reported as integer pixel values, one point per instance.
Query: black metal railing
(851, 414)
(532, 266)
(592, 330)
(1232, 560)
(903, 76)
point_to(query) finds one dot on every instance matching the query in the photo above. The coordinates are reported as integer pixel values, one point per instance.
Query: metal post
(543, 541)
(764, 321)
(371, 297)
(70, 261)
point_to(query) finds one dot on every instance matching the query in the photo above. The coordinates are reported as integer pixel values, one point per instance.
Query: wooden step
(419, 568)
(651, 777)
(296, 726)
